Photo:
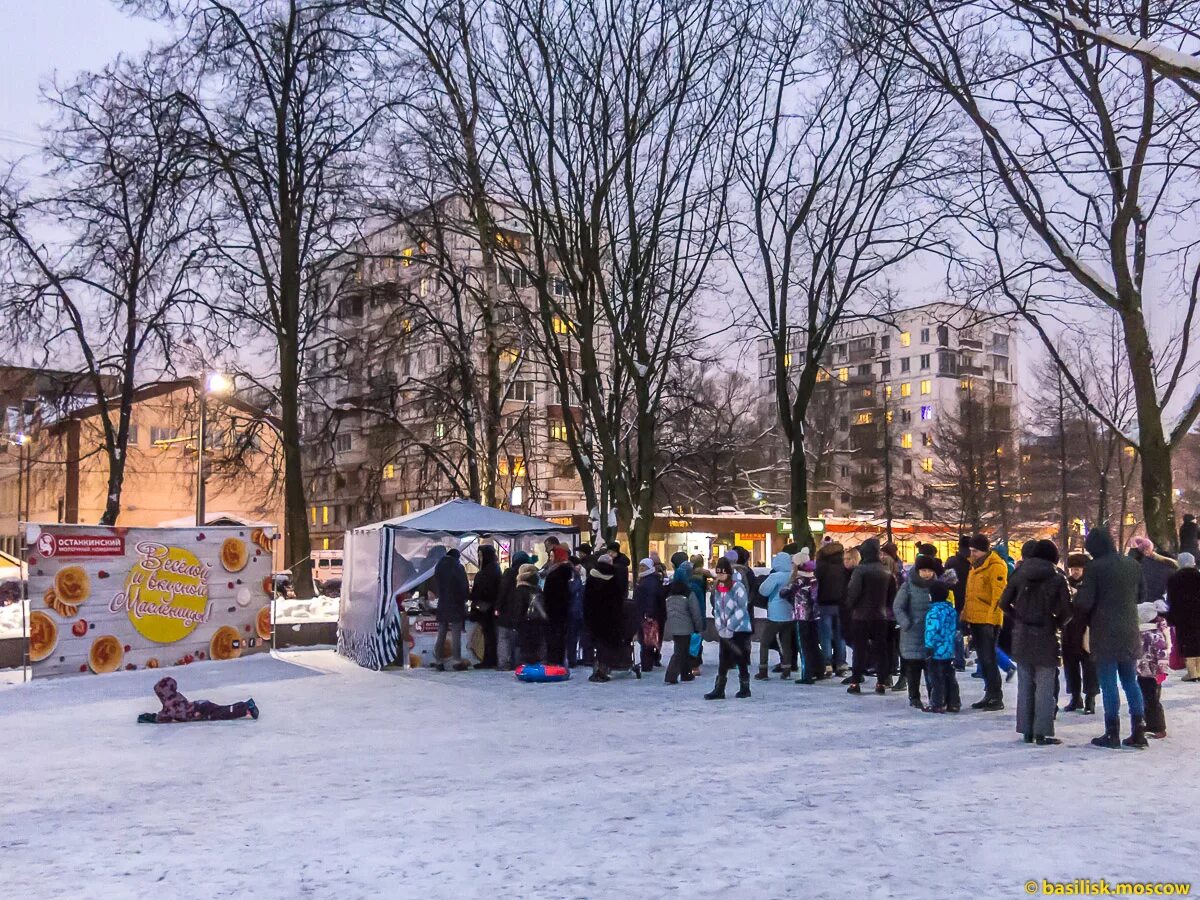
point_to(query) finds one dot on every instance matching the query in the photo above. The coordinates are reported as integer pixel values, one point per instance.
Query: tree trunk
(1158, 499)
(801, 533)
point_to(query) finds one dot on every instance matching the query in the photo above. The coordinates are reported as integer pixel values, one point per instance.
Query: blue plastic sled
(539, 673)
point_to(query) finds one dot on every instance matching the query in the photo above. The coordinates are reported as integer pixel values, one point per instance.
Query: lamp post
(212, 383)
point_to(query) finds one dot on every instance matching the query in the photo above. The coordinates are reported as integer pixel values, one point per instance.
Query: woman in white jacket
(730, 602)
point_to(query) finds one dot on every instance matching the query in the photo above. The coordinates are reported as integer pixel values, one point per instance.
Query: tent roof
(467, 517)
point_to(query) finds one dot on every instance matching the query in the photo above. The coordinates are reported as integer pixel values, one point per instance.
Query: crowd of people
(1104, 622)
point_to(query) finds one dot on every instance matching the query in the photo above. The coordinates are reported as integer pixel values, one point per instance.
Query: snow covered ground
(420, 784)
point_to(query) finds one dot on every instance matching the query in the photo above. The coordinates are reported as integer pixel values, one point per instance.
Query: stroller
(623, 656)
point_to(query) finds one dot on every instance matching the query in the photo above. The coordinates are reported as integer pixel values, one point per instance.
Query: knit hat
(802, 557)
(928, 562)
(939, 591)
(1029, 550)
(1078, 560)
(732, 556)
(1142, 543)
(1186, 561)
(528, 574)
(646, 567)
(1047, 550)
(979, 542)
(1147, 612)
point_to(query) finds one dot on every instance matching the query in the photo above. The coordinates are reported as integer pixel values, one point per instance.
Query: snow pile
(317, 609)
(422, 784)
(13, 619)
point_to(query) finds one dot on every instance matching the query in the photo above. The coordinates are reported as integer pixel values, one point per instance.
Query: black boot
(1111, 739)
(1137, 740)
(1046, 740)
(901, 684)
(744, 691)
(718, 691)
(1089, 705)
(762, 674)
(1075, 704)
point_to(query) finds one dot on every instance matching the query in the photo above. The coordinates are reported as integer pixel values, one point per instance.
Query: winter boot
(1089, 705)
(854, 688)
(1111, 739)
(252, 708)
(1075, 704)
(1137, 740)
(744, 688)
(786, 674)
(718, 691)
(687, 676)
(901, 684)
(880, 687)
(1043, 740)
(762, 674)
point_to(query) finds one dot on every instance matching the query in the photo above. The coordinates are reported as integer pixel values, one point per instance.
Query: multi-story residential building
(396, 419)
(891, 394)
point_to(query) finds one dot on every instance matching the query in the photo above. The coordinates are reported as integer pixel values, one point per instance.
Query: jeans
(829, 633)
(1036, 699)
(783, 631)
(1081, 675)
(960, 651)
(507, 652)
(681, 659)
(983, 639)
(455, 630)
(734, 652)
(943, 688)
(872, 646)
(1156, 716)
(1109, 672)
(912, 669)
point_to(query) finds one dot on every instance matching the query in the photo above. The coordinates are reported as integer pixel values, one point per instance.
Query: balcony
(965, 343)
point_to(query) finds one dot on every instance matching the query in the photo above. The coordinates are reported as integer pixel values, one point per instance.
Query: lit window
(518, 467)
(887, 392)
(558, 431)
(890, 416)
(906, 390)
(967, 383)
(822, 375)
(863, 418)
(324, 515)
(423, 287)
(843, 374)
(1130, 519)
(926, 413)
(927, 439)
(905, 339)
(324, 543)
(440, 429)
(927, 464)
(1131, 452)
(389, 471)
(560, 326)
(406, 257)
(508, 356)
(926, 387)
(906, 440)
(313, 510)
(408, 326)
(787, 360)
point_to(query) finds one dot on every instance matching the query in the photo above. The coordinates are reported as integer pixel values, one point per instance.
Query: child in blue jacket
(941, 623)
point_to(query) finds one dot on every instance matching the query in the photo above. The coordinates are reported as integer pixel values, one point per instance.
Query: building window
(999, 343)
(509, 355)
(840, 351)
(843, 374)
(865, 369)
(906, 440)
(885, 368)
(522, 391)
(324, 515)
(324, 543)
(1130, 519)
(560, 325)
(559, 286)
(822, 375)
(905, 339)
(926, 387)
(924, 335)
(908, 467)
(313, 516)
(423, 287)
(159, 433)
(341, 443)
(845, 471)
(133, 436)
(887, 392)
(558, 430)
(905, 416)
(891, 414)
(943, 336)
(906, 389)
(926, 413)
(927, 439)
(966, 384)
(863, 418)
(885, 343)
(389, 471)
(927, 464)
(844, 423)
(439, 429)
(905, 364)
(924, 360)
(1131, 452)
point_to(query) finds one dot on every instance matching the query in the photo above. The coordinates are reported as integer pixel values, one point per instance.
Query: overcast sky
(41, 37)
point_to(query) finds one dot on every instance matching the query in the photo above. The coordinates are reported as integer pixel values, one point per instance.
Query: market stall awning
(461, 516)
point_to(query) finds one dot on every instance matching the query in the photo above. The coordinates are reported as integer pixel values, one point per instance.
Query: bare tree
(833, 155)
(102, 266)
(286, 98)
(1082, 194)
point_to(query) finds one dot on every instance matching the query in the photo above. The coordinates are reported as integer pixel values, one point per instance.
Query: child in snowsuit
(683, 620)
(177, 708)
(941, 624)
(1152, 665)
(807, 614)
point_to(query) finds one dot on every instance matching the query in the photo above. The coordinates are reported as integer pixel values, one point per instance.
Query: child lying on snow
(177, 708)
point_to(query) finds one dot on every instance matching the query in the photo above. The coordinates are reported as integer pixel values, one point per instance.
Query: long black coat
(1038, 603)
(452, 589)
(485, 589)
(872, 587)
(603, 604)
(1108, 597)
(832, 575)
(1189, 538)
(556, 592)
(1183, 596)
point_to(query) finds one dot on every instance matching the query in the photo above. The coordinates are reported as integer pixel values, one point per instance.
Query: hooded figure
(1183, 614)
(602, 613)
(1156, 569)
(832, 575)
(869, 597)
(452, 588)
(1189, 536)
(779, 617)
(1038, 601)
(485, 595)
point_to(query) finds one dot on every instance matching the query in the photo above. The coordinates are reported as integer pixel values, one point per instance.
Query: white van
(327, 564)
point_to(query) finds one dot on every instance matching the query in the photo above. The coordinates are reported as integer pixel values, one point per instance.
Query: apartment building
(395, 421)
(893, 396)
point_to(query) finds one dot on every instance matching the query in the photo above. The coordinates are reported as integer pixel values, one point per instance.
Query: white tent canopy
(388, 559)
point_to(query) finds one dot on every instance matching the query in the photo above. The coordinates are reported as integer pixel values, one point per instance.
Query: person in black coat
(556, 590)
(603, 608)
(869, 595)
(1189, 536)
(1038, 602)
(960, 565)
(621, 564)
(1183, 614)
(450, 581)
(1077, 661)
(650, 605)
(832, 577)
(485, 595)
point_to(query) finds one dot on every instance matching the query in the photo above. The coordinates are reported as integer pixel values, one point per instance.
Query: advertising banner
(103, 599)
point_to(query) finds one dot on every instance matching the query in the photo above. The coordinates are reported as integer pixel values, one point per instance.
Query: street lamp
(211, 383)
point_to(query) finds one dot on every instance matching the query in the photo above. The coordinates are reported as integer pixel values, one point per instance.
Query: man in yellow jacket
(981, 612)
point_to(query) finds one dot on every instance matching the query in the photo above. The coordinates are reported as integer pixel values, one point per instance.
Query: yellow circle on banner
(166, 593)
